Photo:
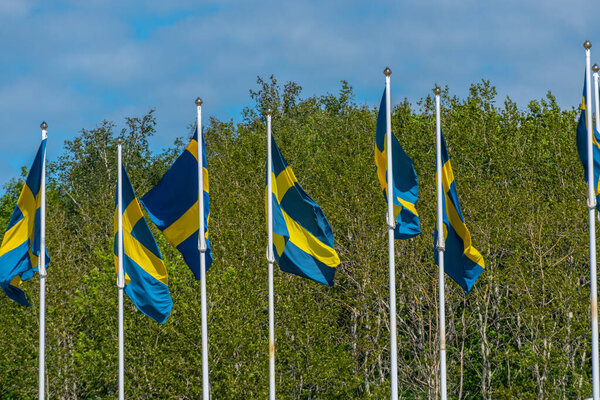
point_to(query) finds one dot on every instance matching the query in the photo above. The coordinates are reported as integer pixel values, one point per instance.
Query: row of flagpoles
(299, 244)
(292, 250)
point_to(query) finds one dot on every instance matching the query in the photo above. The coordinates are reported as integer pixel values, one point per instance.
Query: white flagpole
(42, 272)
(440, 245)
(120, 275)
(391, 225)
(592, 223)
(202, 248)
(270, 260)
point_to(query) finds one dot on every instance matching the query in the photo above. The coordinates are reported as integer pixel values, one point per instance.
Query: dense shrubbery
(523, 332)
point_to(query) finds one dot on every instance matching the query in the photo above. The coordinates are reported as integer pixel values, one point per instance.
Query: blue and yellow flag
(173, 205)
(406, 183)
(303, 241)
(462, 262)
(21, 243)
(146, 280)
(582, 145)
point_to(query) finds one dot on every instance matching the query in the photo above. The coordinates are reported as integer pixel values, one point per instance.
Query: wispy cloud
(75, 63)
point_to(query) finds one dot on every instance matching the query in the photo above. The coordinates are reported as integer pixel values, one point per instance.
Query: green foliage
(523, 331)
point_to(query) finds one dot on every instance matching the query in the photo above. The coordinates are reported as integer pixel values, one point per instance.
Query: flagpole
(202, 248)
(270, 260)
(440, 245)
(120, 274)
(592, 224)
(391, 225)
(42, 272)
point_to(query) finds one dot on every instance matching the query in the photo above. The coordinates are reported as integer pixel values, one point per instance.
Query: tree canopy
(522, 332)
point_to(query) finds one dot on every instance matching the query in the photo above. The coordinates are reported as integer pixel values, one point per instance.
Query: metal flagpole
(42, 271)
(440, 245)
(202, 248)
(120, 274)
(592, 223)
(270, 260)
(391, 225)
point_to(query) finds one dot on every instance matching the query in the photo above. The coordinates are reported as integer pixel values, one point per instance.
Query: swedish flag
(303, 241)
(582, 145)
(21, 243)
(146, 281)
(462, 262)
(173, 205)
(406, 183)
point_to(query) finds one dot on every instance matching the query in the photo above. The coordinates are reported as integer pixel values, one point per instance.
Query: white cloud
(76, 63)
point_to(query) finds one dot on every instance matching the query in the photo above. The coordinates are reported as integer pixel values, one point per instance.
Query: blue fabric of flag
(146, 280)
(20, 247)
(405, 180)
(303, 242)
(173, 205)
(462, 262)
(581, 140)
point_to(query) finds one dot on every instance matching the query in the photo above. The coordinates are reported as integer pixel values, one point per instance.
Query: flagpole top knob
(437, 91)
(119, 142)
(387, 71)
(587, 45)
(44, 125)
(198, 101)
(269, 112)
(595, 68)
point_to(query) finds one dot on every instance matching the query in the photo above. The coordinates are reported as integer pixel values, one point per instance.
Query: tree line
(522, 332)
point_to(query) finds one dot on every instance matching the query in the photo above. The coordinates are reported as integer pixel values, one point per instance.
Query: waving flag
(582, 145)
(146, 281)
(303, 241)
(406, 183)
(462, 262)
(173, 205)
(21, 243)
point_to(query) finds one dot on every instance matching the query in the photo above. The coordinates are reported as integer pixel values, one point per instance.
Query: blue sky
(75, 63)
